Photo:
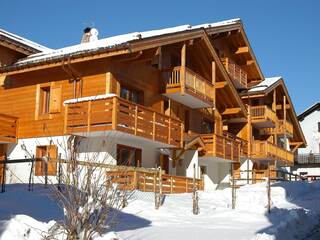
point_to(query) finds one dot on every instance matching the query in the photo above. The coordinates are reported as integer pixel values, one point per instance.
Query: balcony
(312, 159)
(264, 150)
(97, 116)
(236, 73)
(263, 117)
(8, 128)
(188, 88)
(282, 128)
(221, 147)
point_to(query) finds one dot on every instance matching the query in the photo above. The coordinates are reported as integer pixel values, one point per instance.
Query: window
(128, 156)
(131, 95)
(44, 100)
(318, 126)
(207, 126)
(48, 155)
(48, 100)
(203, 170)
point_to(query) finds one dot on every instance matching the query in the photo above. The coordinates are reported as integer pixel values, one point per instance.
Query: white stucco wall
(310, 129)
(218, 172)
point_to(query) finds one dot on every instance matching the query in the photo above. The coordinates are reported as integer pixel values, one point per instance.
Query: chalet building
(183, 98)
(307, 161)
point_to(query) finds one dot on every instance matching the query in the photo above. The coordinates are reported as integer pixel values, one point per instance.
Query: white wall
(310, 129)
(105, 146)
(217, 173)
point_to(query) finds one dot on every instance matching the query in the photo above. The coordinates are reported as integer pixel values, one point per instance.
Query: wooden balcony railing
(221, 146)
(281, 129)
(192, 82)
(263, 113)
(243, 143)
(267, 150)
(148, 181)
(307, 158)
(8, 128)
(118, 114)
(285, 127)
(236, 73)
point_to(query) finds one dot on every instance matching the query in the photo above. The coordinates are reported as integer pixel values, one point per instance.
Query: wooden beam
(242, 50)
(219, 85)
(183, 68)
(280, 107)
(231, 111)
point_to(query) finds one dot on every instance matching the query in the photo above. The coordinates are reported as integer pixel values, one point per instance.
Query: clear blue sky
(285, 35)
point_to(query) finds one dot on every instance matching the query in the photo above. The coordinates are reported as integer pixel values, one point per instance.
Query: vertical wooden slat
(89, 116)
(169, 131)
(171, 184)
(66, 118)
(114, 113)
(183, 68)
(154, 126)
(135, 120)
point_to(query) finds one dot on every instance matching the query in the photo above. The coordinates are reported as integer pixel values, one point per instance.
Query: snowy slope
(294, 212)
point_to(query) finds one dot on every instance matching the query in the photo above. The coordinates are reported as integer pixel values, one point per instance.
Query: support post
(30, 186)
(183, 69)
(3, 185)
(195, 197)
(269, 189)
(233, 188)
(59, 173)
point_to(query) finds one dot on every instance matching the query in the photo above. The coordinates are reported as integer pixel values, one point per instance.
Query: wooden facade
(165, 89)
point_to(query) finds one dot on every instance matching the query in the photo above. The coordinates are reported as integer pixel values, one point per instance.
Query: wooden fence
(148, 181)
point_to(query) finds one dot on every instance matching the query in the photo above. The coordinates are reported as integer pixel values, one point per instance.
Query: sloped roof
(265, 84)
(114, 41)
(29, 45)
(308, 111)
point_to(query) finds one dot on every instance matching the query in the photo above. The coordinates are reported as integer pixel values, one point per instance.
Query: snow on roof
(116, 40)
(91, 98)
(266, 83)
(23, 41)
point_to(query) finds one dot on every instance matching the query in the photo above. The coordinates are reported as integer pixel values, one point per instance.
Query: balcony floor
(188, 100)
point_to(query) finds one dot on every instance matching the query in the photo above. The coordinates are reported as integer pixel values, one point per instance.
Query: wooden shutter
(52, 163)
(38, 165)
(55, 99)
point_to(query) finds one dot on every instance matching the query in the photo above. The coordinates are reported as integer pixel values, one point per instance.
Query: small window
(46, 160)
(48, 100)
(207, 126)
(128, 156)
(44, 100)
(131, 95)
(318, 126)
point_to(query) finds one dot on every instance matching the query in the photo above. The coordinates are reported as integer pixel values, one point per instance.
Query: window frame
(130, 91)
(137, 156)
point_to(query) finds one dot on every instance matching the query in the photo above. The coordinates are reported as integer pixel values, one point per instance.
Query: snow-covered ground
(295, 211)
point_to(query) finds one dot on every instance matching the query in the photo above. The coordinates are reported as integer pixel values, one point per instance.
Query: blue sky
(285, 35)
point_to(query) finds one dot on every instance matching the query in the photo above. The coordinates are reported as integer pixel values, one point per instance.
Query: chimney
(89, 35)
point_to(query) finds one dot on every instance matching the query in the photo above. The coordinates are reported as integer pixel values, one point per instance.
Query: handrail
(235, 71)
(115, 113)
(221, 146)
(267, 149)
(193, 82)
(262, 112)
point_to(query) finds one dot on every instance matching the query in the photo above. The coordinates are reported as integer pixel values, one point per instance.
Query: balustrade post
(114, 113)
(135, 120)
(89, 116)
(169, 131)
(66, 118)
(154, 126)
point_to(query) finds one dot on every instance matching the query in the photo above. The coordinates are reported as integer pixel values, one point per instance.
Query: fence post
(3, 186)
(233, 189)
(269, 190)
(59, 173)
(45, 171)
(195, 197)
(30, 186)
(158, 195)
